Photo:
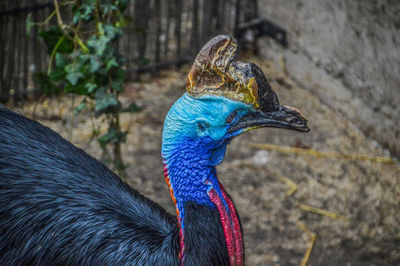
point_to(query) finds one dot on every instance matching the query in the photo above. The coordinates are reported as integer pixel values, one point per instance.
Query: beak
(282, 117)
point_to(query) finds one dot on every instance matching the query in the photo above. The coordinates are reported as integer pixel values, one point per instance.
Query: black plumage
(60, 206)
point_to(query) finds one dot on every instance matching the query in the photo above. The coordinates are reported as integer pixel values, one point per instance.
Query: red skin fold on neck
(237, 231)
(231, 226)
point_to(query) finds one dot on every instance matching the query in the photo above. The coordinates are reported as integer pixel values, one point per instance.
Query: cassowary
(60, 206)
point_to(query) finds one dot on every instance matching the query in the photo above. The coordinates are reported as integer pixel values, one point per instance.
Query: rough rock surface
(347, 53)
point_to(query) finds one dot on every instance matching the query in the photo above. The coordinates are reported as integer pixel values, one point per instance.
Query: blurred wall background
(348, 53)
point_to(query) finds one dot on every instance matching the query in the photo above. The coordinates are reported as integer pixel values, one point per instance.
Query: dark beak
(282, 117)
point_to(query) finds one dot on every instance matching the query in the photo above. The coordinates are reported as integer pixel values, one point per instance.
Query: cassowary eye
(201, 126)
(231, 117)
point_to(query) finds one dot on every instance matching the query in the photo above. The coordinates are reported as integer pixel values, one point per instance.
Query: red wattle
(230, 225)
(237, 231)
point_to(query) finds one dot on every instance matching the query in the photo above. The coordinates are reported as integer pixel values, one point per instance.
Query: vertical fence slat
(10, 56)
(214, 11)
(129, 31)
(255, 9)
(36, 62)
(194, 41)
(25, 62)
(178, 21)
(141, 21)
(237, 13)
(3, 43)
(157, 8)
(18, 57)
(42, 14)
(206, 23)
(167, 30)
(249, 10)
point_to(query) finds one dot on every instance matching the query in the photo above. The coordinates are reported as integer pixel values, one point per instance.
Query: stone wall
(348, 53)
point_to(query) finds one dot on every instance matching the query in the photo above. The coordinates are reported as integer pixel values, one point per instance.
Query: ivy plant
(84, 61)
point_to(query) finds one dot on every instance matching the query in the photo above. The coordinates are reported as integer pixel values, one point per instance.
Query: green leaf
(85, 12)
(105, 103)
(52, 36)
(61, 61)
(81, 106)
(107, 8)
(132, 108)
(95, 64)
(91, 87)
(73, 77)
(98, 44)
(111, 63)
(70, 68)
(112, 32)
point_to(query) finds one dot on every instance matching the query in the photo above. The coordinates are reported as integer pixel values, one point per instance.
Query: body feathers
(58, 205)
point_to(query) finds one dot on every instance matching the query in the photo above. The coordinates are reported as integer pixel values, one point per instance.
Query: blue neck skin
(191, 152)
(191, 168)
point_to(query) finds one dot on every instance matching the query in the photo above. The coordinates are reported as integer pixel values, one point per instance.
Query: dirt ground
(364, 194)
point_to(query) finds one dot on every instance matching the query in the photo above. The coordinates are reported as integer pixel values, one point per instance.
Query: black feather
(59, 206)
(199, 250)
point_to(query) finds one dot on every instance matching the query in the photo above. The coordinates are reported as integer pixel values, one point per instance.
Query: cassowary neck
(191, 176)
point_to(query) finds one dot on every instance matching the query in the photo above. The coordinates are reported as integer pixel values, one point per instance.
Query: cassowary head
(224, 99)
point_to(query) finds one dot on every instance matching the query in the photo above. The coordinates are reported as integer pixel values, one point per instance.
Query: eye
(201, 126)
(231, 117)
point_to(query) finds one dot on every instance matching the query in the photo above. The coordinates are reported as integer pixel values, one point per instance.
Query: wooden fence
(173, 31)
